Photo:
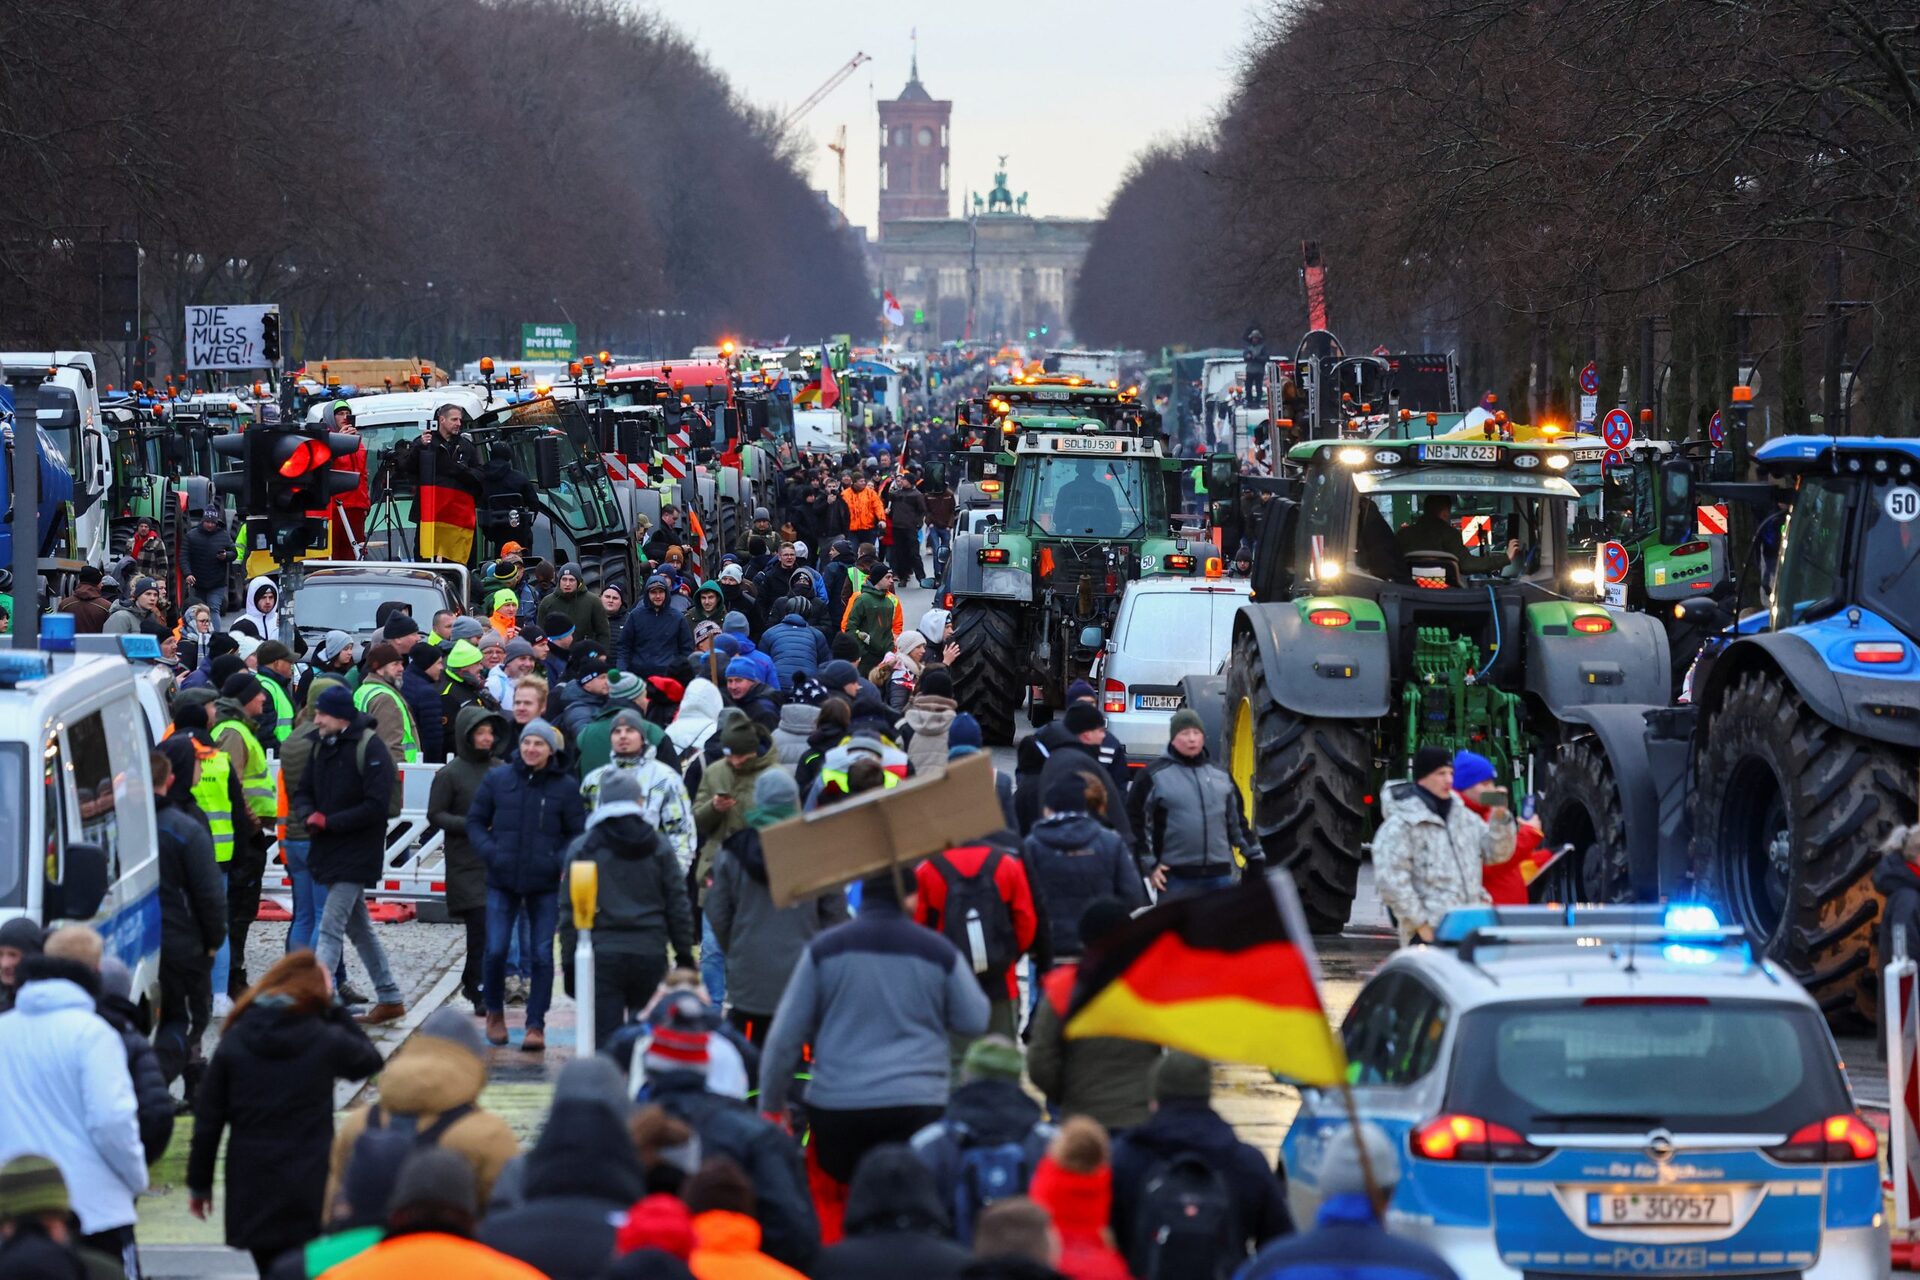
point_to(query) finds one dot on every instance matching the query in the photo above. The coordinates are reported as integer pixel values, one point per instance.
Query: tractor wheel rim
(1756, 839)
(1241, 753)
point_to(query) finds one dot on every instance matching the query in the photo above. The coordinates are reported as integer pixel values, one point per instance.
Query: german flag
(447, 520)
(1220, 975)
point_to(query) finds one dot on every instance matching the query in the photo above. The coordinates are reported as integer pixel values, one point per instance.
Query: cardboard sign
(229, 337)
(867, 833)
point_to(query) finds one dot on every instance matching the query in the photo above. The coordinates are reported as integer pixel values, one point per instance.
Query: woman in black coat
(271, 1082)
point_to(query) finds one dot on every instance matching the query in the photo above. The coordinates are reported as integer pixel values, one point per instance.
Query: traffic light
(286, 476)
(270, 337)
(247, 483)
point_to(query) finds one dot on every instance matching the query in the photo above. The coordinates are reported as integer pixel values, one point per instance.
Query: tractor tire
(610, 570)
(987, 673)
(1580, 806)
(1306, 780)
(1789, 813)
(726, 533)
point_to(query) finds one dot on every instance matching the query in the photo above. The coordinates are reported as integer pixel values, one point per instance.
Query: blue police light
(27, 665)
(1458, 923)
(140, 648)
(56, 632)
(1691, 917)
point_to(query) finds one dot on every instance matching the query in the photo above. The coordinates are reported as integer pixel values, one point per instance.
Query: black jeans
(117, 1244)
(906, 558)
(186, 1007)
(622, 984)
(244, 874)
(475, 919)
(842, 1138)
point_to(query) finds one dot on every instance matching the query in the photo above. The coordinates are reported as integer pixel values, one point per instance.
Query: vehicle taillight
(1180, 563)
(1593, 624)
(1690, 549)
(946, 601)
(993, 555)
(1879, 651)
(1114, 699)
(1329, 617)
(1471, 1140)
(1831, 1141)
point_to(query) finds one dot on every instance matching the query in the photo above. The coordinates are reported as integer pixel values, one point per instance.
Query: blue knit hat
(742, 666)
(1470, 769)
(964, 732)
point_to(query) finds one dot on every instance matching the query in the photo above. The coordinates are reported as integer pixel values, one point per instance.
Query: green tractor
(1416, 592)
(1087, 510)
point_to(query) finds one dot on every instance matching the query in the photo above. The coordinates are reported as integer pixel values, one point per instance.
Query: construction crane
(834, 81)
(839, 148)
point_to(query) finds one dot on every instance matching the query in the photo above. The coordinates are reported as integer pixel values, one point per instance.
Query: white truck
(84, 445)
(820, 430)
(1098, 367)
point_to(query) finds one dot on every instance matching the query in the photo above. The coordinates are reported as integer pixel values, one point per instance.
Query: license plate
(1659, 1209)
(990, 469)
(1460, 453)
(1156, 702)
(1088, 444)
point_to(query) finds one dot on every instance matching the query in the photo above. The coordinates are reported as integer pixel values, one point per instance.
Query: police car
(1606, 1091)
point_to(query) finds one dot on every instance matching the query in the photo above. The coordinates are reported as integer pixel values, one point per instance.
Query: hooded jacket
(124, 618)
(1426, 864)
(699, 612)
(88, 608)
(762, 942)
(268, 624)
(1189, 1125)
(1080, 1205)
(928, 717)
(154, 1103)
(269, 1087)
(424, 704)
(642, 903)
(699, 715)
(583, 608)
(981, 1113)
(1072, 860)
(193, 894)
(873, 618)
(1349, 1241)
(724, 777)
(664, 802)
(581, 1177)
(790, 1230)
(1102, 1077)
(652, 640)
(521, 823)
(796, 647)
(726, 1246)
(895, 1225)
(426, 1076)
(797, 721)
(450, 799)
(1186, 813)
(352, 846)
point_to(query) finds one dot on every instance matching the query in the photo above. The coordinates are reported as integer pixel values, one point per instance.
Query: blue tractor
(1770, 792)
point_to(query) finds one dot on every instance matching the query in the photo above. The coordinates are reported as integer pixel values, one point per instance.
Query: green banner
(546, 342)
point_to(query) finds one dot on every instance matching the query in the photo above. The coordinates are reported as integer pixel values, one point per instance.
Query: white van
(77, 832)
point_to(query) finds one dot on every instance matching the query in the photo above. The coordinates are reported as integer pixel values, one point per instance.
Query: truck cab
(81, 437)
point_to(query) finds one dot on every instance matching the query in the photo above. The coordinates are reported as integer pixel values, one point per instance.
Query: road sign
(1590, 380)
(1614, 458)
(1710, 519)
(1589, 408)
(1617, 428)
(546, 342)
(1716, 430)
(1613, 557)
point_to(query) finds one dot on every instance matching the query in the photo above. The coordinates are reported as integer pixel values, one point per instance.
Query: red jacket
(1504, 881)
(1010, 879)
(1081, 1204)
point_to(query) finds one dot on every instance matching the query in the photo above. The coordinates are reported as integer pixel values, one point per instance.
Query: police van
(77, 831)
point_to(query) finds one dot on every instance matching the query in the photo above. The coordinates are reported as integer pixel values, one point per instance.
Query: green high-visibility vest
(256, 784)
(210, 793)
(363, 701)
(282, 709)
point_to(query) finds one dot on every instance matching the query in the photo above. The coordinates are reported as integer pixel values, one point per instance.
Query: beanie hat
(776, 789)
(705, 630)
(1067, 793)
(541, 729)
(992, 1058)
(840, 673)
(490, 639)
(736, 732)
(1183, 719)
(1083, 717)
(435, 1176)
(558, 625)
(679, 1040)
(399, 626)
(727, 642)
(31, 1185)
(593, 1079)
(271, 652)
(518, 648)
(1181, 1075)
(619, 786)
(659, 1221)
(732, 573)
(457, 1029)
(1429, 758)
(741, 666)
(735, 623)
(467, 628)
(220, 644)
(143, 585)
(1470, 769)
(463, 654)
(667, 687)
(1102, 917)
(22, 934)
(937, 683)
(1341, 1171)
(242, 686)
(659, 580)
(531, 633)
(629, 719)
(335, 701)
(381, 654)
(424, 656)
(224, 668)
(965, 732)
(1081, 689)
(587, 668)
(332, 645)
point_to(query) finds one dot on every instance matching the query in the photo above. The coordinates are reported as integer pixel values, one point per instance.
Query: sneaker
(517, 990)
(385, 1011)
(222, 1006)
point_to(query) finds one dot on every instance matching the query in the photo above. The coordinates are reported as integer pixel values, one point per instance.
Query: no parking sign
(1617, 429)
(1613, 559)
(1716, 430)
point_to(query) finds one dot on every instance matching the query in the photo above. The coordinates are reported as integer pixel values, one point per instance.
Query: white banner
(1898, 992)
(228, 337)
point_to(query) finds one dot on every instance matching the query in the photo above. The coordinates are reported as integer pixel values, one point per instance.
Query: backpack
(1185, 1226)
(976, 919)
(985, 1173)
(387, 1141)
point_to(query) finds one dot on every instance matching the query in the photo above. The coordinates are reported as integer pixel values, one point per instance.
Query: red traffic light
(306, 456)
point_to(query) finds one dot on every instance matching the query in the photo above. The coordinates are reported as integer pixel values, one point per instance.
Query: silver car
(1168, 628)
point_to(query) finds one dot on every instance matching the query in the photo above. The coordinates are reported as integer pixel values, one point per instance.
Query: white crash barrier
(414, 869)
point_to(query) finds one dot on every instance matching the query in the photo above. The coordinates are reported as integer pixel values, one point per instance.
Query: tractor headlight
(1557, 461)
(1354, 457)
(1582, 577)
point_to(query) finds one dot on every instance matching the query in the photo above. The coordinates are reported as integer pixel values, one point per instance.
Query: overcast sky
(1069, 90)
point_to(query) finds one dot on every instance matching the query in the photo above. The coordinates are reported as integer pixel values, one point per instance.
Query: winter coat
(352, 846)
(797, 721)
(1046, 754)
(1427, 865)
(521, 823)
(699, 713)
(762, 704)
(698, 612)
(895, 1224)
(796, 648)
(1009, 879)
(88, 609)
(1347, 1240)
(423, 699)
(426, 1076)
(789, 1230)
(870, 620)
(576, 708)
(268, 624)
(451, 798)
(981, 1113)
(581, 1176)
(271, 1084)
(1180, 1125)
(1072, 860)
(726, 1246)
(1506, 881)
(928, 717)
(68, 1096)
(206, 555)
(1080, 1205)
(652, 639)
(584, 610)
(724, 777)
(664, 802)
(762, 942)
(906, 508)
(741, 600)
(193, 894)
(1186, 814)
(642, 903)
(1103, 1077)
(124, 618)
(155, 1104)
(864, 509)
(419, 1254)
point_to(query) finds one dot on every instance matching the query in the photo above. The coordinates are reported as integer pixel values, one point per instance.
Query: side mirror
(546, 461)
(1676, 501)
(1709, 614)
(1092, 637)
(1220, 474)
(83, 884)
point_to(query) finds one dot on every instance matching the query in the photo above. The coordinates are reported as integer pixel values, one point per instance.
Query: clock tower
(913, 153)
